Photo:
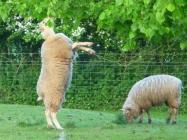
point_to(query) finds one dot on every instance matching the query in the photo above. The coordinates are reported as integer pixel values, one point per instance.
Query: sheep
(153, 91)
(57, 54)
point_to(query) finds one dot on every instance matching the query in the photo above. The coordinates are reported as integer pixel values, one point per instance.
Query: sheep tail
(39, 99)
(181, 88)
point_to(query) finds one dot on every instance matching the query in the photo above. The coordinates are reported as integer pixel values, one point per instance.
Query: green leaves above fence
(149, 19)
(155, 22)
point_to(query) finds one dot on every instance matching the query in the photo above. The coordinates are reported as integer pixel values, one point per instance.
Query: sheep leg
(141, 117)
(79, 44)
(174, 116)
(55, 121)
(48, 118)
(149, 117)
(88, 50)
(169, 116)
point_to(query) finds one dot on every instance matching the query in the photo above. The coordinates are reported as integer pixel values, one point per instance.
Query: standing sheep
(57, 53)
(153, 91)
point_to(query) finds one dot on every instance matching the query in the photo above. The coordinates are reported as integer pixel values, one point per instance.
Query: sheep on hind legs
(57, 54)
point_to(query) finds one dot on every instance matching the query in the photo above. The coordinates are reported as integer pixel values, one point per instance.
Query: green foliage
(99, 83)
(154, 21)
(144, 26)
(131, 22)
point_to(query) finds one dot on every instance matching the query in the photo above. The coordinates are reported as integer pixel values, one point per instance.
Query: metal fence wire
(106, 75)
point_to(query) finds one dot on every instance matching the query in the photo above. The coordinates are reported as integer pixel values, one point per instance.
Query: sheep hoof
(91, 52)
(89, 43)
(173, 122)
(149, 121)
(167, 121)
(59, 128)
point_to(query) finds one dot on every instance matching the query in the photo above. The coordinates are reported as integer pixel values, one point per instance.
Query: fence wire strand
(104, 72)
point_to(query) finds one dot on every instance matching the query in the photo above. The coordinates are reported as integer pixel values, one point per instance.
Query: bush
(98, 84)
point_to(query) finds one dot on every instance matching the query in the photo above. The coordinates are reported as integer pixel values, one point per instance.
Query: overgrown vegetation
(119, 25)
(133, 39)
(99, 83)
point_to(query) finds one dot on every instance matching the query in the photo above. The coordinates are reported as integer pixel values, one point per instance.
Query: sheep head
(131, 112)
(45, 30)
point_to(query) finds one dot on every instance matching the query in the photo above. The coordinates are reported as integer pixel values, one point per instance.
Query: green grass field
(21, 122)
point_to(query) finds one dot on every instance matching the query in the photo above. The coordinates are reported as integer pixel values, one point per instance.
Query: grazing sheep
(57, 53)
(153, 91)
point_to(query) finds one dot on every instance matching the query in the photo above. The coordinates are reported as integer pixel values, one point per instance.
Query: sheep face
(44, 29)
(47, 33)
(128, 115)
(131, 113)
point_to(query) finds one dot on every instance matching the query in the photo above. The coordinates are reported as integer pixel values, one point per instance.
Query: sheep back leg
(169, 116)
(141, 116)
(52, 107)
(49, 119)
(55, 121)
(149, 117)
(174, 116)
(173, 105)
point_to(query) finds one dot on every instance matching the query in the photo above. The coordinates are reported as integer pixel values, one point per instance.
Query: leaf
(146, 2)
(142, 29)
(170, 7)
(129, 46)
(50, 23)
(183, 45)
(134, 27)
(160, 17)
(132, 35)
(4, 11)
(102, 16)
(149, 32)
(3, 15)
(119, 2)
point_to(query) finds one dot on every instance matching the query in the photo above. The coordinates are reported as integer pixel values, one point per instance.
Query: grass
(22, 122)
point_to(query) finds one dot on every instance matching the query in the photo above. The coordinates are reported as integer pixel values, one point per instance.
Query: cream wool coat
(56, 71)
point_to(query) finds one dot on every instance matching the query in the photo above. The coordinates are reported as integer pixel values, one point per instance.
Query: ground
(22, 122)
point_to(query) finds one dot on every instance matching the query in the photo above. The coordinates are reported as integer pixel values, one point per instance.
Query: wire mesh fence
(99, 82)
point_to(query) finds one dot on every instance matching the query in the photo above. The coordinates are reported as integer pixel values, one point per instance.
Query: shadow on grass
(29, 123)
(70, 124)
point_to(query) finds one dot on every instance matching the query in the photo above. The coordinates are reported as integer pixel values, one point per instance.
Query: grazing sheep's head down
(152, 91)
(131, 112)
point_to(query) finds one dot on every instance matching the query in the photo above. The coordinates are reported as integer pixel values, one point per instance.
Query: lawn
(22, 122)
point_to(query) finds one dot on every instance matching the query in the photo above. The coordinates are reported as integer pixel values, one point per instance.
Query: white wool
(152, 91)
